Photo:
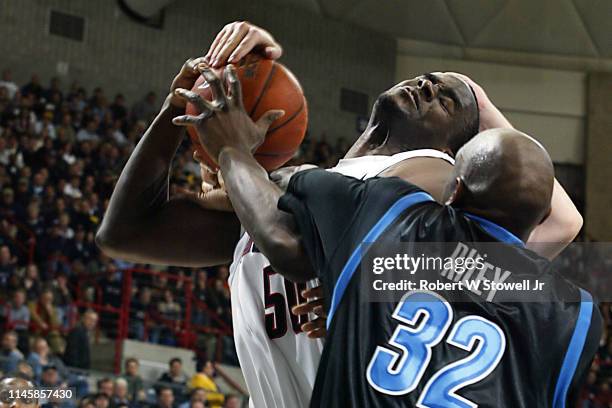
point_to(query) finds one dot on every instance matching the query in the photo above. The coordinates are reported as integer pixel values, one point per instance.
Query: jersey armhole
(574, 350)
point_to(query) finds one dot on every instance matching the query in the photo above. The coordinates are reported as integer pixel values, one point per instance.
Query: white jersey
(279, 362)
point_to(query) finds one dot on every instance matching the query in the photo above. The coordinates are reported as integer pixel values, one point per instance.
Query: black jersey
(434, 348)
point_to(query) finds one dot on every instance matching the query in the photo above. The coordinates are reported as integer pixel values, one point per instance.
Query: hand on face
(236, 40)
(490, 116)
(224, 123)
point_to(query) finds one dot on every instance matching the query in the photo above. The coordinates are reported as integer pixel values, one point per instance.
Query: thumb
(272, 52)
(269, 117)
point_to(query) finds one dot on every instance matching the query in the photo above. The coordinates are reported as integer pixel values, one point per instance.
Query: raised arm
(564, 221)
(231, 137)
(143, 223)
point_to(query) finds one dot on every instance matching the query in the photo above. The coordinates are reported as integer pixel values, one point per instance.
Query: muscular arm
(143, 224)
(254, 198)
(564, 222)
(559, 228)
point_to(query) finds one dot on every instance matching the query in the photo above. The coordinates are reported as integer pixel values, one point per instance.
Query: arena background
(547, 64)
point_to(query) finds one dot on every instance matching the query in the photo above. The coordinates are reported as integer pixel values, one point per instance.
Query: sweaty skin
(144, 224)
(504, 176)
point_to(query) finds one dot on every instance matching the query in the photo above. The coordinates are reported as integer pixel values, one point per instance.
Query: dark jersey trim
(353, 262)
(574, 350)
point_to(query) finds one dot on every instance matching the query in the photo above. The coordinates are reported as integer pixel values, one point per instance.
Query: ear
(456, 194)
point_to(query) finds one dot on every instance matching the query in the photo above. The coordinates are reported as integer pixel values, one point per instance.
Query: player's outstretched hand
(189, 73)
(490, 116)
(315, 328)
(239, 38)
(224, 120)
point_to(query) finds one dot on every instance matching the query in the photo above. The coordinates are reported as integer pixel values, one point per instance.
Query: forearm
(558, 229)
(254, 198)
(143, 224)
(143, 184)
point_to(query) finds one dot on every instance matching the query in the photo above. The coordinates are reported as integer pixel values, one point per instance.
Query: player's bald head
(16, 384)
(505, 176)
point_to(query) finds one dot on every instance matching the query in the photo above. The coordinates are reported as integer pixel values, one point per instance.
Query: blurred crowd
(61, 150)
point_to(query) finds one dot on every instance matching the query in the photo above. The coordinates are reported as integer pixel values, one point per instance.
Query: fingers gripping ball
(266, 85)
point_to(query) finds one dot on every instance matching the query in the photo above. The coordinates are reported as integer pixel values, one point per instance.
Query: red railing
(118, 317)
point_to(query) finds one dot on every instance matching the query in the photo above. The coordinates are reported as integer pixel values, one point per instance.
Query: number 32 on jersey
(393, 373)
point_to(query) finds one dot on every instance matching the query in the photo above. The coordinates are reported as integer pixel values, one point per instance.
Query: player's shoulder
(393, 187)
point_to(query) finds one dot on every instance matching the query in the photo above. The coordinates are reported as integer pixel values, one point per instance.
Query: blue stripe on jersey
(353, 262)
(497, 232)
(572, 356)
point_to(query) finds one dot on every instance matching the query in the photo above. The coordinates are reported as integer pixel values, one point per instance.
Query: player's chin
(393, 105)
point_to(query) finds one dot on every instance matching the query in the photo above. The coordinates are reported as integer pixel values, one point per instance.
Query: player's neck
(503, 219)
(378, 139)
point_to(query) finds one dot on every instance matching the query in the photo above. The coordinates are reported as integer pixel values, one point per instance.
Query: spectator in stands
(165, 398)
(33, 87)
(204, 379)
(219, 299)
(31, 282)
(105, 386)
(232, 401)
(78, 352)
(45, 320)
(174, 378)
(133, 379)
(63, 298)
(50, 378)
(120, 393)
(24, 370)
(7, 83)
(200, 293)
(11, 355)
(170, 312)
(102, 400)
(7, 265)
(17, 318)
(142, 317)
(197, 395)
(89, 133)
(118, 108)
(41, 357)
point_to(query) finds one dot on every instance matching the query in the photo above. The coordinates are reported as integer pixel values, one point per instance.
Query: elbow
(573, 225)
(287, 258)
(109, 241)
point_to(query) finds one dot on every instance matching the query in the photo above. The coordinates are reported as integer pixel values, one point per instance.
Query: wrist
(232, 153)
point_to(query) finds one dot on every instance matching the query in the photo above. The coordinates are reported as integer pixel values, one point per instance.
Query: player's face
(431, 104)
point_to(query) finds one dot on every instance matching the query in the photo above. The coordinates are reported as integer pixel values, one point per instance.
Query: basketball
(266, 85)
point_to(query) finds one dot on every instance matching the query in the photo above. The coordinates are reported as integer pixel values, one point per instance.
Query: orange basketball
(266, 85)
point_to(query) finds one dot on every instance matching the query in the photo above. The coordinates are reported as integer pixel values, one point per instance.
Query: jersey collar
(497, 232)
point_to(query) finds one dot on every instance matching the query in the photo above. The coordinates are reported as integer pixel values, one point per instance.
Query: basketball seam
(264, 89)
(289, 119)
